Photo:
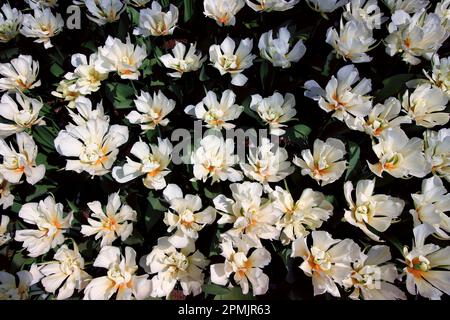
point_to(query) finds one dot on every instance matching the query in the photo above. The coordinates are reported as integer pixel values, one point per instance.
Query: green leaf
(56, 70)
(39, 191)
(301, 131)
(44, 137)
(214, 289)
(393, 85)
(354, 153)
(263, 73)
(188, 10)
(155, 202)
(120, 95)
(234, 294)
(133, 14)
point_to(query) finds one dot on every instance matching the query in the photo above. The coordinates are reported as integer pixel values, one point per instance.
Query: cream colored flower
(65, 274)
(267, 163)
(348, 104)
(19, 118)
(10, 290)
(325, 164)
(123, 58)
(41, 4)
(376, 211)
(409, 6)
(249, 213)
(352, 42)
(104, 11)
(431, 205)
(185, 216)
(51, 223)
(64, 91)
(120, 279)
(275, 110)
(440, 74)
(364, 11)
(384, 116)
(398, 155)
(437, 152)
(244, 264)
(420, 35)
(16, 164)
(174, 266)
(328, 261)
(153, 162)
(271, 5)
(19, 74)
(182, 61)
(10, 23)
(326, 6)
(223, 11)
(114, 222)
(427, 266)
(300, 217)
(6, 198)
(443, 11)
(214, 113)
(226, 59)
(372, 276)
(85, 112)
(154, 22)
(151, 111)
(425, 106)
(214, 158)
(43, 25)
(278, 51)
(4, 234)
(92, 147)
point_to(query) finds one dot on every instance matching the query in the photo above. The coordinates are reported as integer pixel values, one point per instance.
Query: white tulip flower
(431, 205)
(114, 222)
(85, 79)
(278, 50)
(121, 277)
(6, 198)
(4, 234)
(182, 61)
(184, 215)
(41, 4)
(300, 217)
(10, 23)
(151, 111)
(226, 59)
(398, 155)
(427, 266)
(154, 22)
(443, 11)
(10, 290)
(267, 163)
(223, 11)
(348, 104)
(326, 6)
(244, 264)
(352, 42)
(64, 274)
(104, 11)
(51, 223)
(19, 74)
(85, 112)
(437, 152)
(364, 11)
(375, 210)
(214, 158)
(275, 110)
(250, 215)
(153, 162)
(420, 35)
(271, 5)
(123, 58)
(21, 114)
(409, 6)
(214, 113)
(328, 261)
(92, 147)
(384, 116)
(373, 276)
(174, 265)
(43, 25)
(325, 163)
(15, 164)
(426, 106)
(64, 91)
(440, 74)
